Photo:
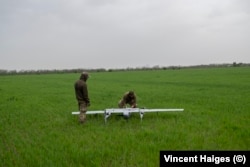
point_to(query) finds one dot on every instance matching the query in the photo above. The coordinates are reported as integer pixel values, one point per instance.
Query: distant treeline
(79, 70)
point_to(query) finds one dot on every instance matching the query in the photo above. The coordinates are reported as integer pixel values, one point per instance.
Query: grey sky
(61, 34)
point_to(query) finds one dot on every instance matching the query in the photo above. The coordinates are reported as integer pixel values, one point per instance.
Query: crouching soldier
(129, 98)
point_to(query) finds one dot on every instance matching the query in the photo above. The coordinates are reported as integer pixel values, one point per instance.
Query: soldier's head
(131, 93)
(84, 76)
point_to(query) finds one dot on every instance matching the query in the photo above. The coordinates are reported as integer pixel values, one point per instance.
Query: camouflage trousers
(83, 109)
(123, 104)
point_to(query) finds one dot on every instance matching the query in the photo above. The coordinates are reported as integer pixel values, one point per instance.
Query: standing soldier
(128, 98)
(81, 92)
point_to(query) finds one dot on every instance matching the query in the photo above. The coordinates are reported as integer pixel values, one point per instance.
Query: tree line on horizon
(156, 67)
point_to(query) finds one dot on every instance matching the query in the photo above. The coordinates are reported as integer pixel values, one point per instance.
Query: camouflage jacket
(81, 91)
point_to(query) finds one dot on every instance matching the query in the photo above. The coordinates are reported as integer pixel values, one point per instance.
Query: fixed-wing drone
(126, 111)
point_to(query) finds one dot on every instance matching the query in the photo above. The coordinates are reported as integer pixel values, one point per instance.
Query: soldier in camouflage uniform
(128, 98)
(81, 92)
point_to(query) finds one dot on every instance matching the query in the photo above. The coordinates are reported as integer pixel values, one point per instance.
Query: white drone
(126, 111)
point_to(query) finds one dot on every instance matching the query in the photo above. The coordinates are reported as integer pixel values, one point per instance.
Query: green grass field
(37, 128)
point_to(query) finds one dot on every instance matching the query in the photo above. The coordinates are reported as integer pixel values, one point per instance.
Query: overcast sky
(66, 34)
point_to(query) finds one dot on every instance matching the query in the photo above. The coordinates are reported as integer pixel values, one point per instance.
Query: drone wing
(126, 111)
(110, 110)
(89, 112)
(161, 110)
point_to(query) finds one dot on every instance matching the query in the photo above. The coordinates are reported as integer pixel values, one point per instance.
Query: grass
(37, 128)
